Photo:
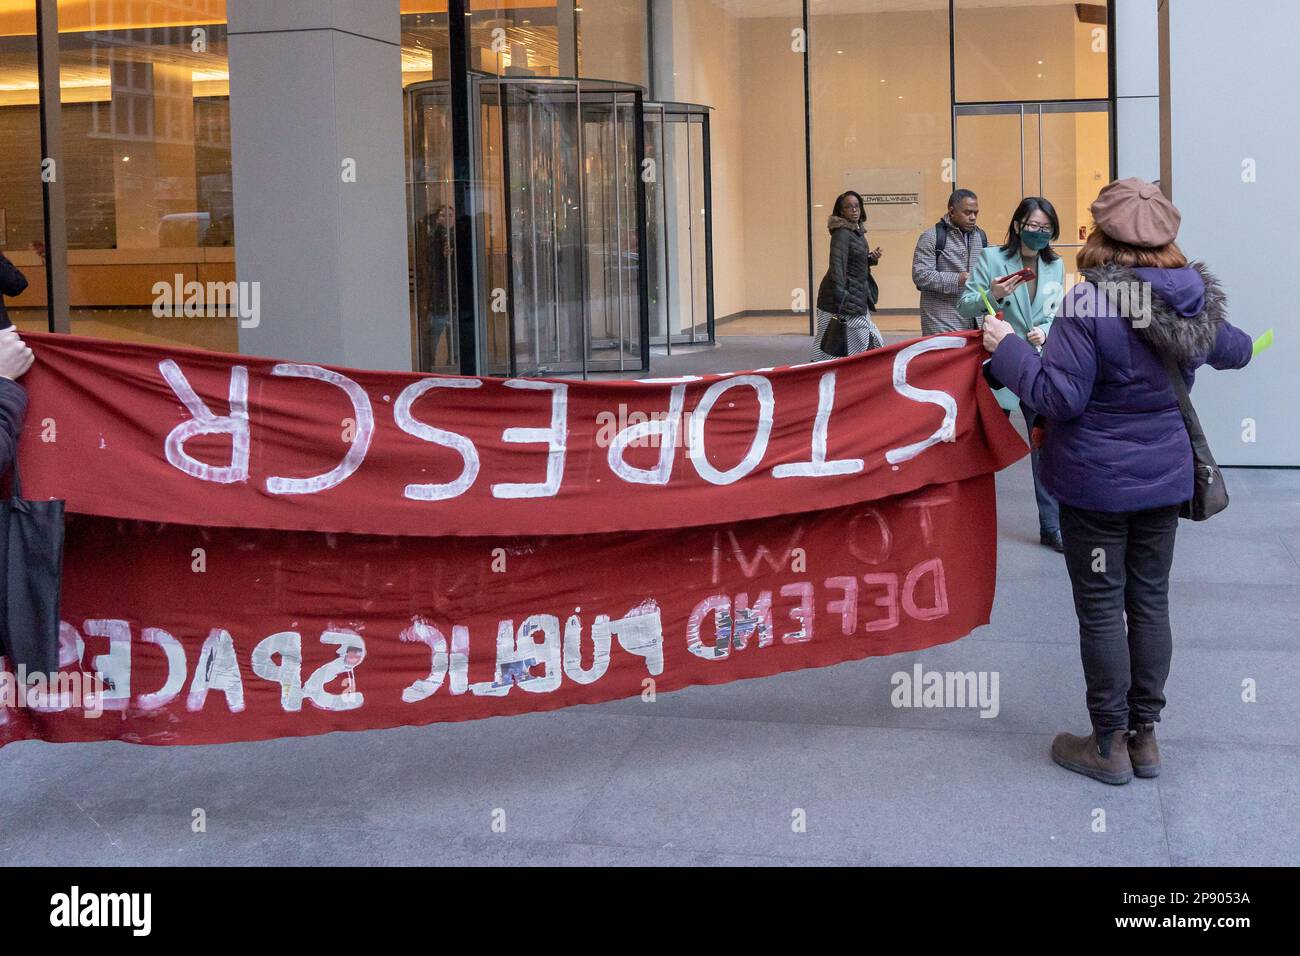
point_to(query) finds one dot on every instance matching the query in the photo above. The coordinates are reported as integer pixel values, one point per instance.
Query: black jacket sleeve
(12, 281)
(13, 409)
(839, 269)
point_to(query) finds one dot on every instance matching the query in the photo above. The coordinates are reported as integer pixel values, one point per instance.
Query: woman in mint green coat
(1029, 305)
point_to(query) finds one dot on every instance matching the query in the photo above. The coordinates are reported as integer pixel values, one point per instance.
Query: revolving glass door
(558, 220)
(680, 224)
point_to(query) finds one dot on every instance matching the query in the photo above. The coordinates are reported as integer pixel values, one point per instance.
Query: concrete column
(319, 183)
(1137, 88)
(661, 25)
(565, 22)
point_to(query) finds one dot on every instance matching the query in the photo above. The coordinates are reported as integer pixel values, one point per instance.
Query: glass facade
(881, 126)
(636, 170)
(22, 204)
(555, 208)
(679, 192)
(145, 166)
(901, 102)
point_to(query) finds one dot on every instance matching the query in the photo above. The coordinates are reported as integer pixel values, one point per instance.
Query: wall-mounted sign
(893, 197)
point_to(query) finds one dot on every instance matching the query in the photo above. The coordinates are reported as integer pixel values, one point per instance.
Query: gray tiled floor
(719, 774)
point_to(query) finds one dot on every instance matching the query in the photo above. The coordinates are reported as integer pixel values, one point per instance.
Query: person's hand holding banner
(15, 357)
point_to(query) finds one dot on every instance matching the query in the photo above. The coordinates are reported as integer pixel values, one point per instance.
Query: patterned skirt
(862, 335)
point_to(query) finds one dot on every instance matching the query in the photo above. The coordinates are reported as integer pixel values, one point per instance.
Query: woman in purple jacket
(1117, 456)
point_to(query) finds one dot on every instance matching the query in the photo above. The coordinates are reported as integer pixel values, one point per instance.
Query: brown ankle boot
(1081, 755)
(1143, 752)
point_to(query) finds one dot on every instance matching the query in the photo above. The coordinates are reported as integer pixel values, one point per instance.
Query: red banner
(264, 549)
(205, 438)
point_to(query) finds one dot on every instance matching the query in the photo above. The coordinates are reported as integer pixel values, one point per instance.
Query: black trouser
(1119, 566)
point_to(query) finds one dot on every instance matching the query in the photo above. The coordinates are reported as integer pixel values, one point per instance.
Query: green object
(987, 304)
(1264, 342)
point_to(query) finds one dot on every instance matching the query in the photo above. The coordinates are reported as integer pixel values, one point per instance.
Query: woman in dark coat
(1117, 456)
(848, 290)
(12, 282)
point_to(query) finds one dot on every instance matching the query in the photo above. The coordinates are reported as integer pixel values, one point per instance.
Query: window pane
(512, 39)
(744, 58)
(431, 216)
(990, 159)
(146, 131)
(881, 123)
(22, 216)
(1048, 49)
(612, 40)
(1076, 165)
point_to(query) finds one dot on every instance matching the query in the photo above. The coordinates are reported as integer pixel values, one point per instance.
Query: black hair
(958, 195)
(839, 205)
(1028, 206)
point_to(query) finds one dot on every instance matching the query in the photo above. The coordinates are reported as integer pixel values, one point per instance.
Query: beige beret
(1136, 212)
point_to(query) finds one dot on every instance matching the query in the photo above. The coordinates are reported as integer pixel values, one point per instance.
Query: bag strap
(15, 482)
(940, 241)
(1190, 418)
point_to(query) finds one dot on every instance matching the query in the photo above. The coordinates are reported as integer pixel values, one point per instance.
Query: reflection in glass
(146, 135)
(511, 39)
(556, 219)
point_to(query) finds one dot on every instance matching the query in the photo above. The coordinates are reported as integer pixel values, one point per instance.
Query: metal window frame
(54, 203)
(968, 107)
(615, 89)
(694, 114)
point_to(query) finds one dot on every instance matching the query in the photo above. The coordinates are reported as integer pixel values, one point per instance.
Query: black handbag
(835, 340)
(32, 562)
(1209, 492)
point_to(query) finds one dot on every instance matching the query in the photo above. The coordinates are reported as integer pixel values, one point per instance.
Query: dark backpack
(941, 239)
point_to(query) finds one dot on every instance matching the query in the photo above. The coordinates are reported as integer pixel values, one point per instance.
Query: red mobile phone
(1026, 274)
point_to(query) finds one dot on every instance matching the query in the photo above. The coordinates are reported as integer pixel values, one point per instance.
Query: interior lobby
(712, 134)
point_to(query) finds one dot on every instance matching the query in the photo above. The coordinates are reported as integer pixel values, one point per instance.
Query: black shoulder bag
(835, 340)
(1209, 493)
(32, 561)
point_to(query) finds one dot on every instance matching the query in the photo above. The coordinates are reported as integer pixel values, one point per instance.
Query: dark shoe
(1081, 755)
(1052, 539)
(1143, 752)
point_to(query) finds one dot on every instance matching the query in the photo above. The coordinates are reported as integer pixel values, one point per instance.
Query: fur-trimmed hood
(839, 222)
(1187, 306)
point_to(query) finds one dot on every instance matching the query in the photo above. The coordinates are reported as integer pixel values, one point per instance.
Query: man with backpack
(945, 255)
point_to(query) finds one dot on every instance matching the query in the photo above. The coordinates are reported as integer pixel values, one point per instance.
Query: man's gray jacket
(938, 285)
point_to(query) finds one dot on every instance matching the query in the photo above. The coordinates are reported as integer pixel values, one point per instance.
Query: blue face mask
(1038, 241)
